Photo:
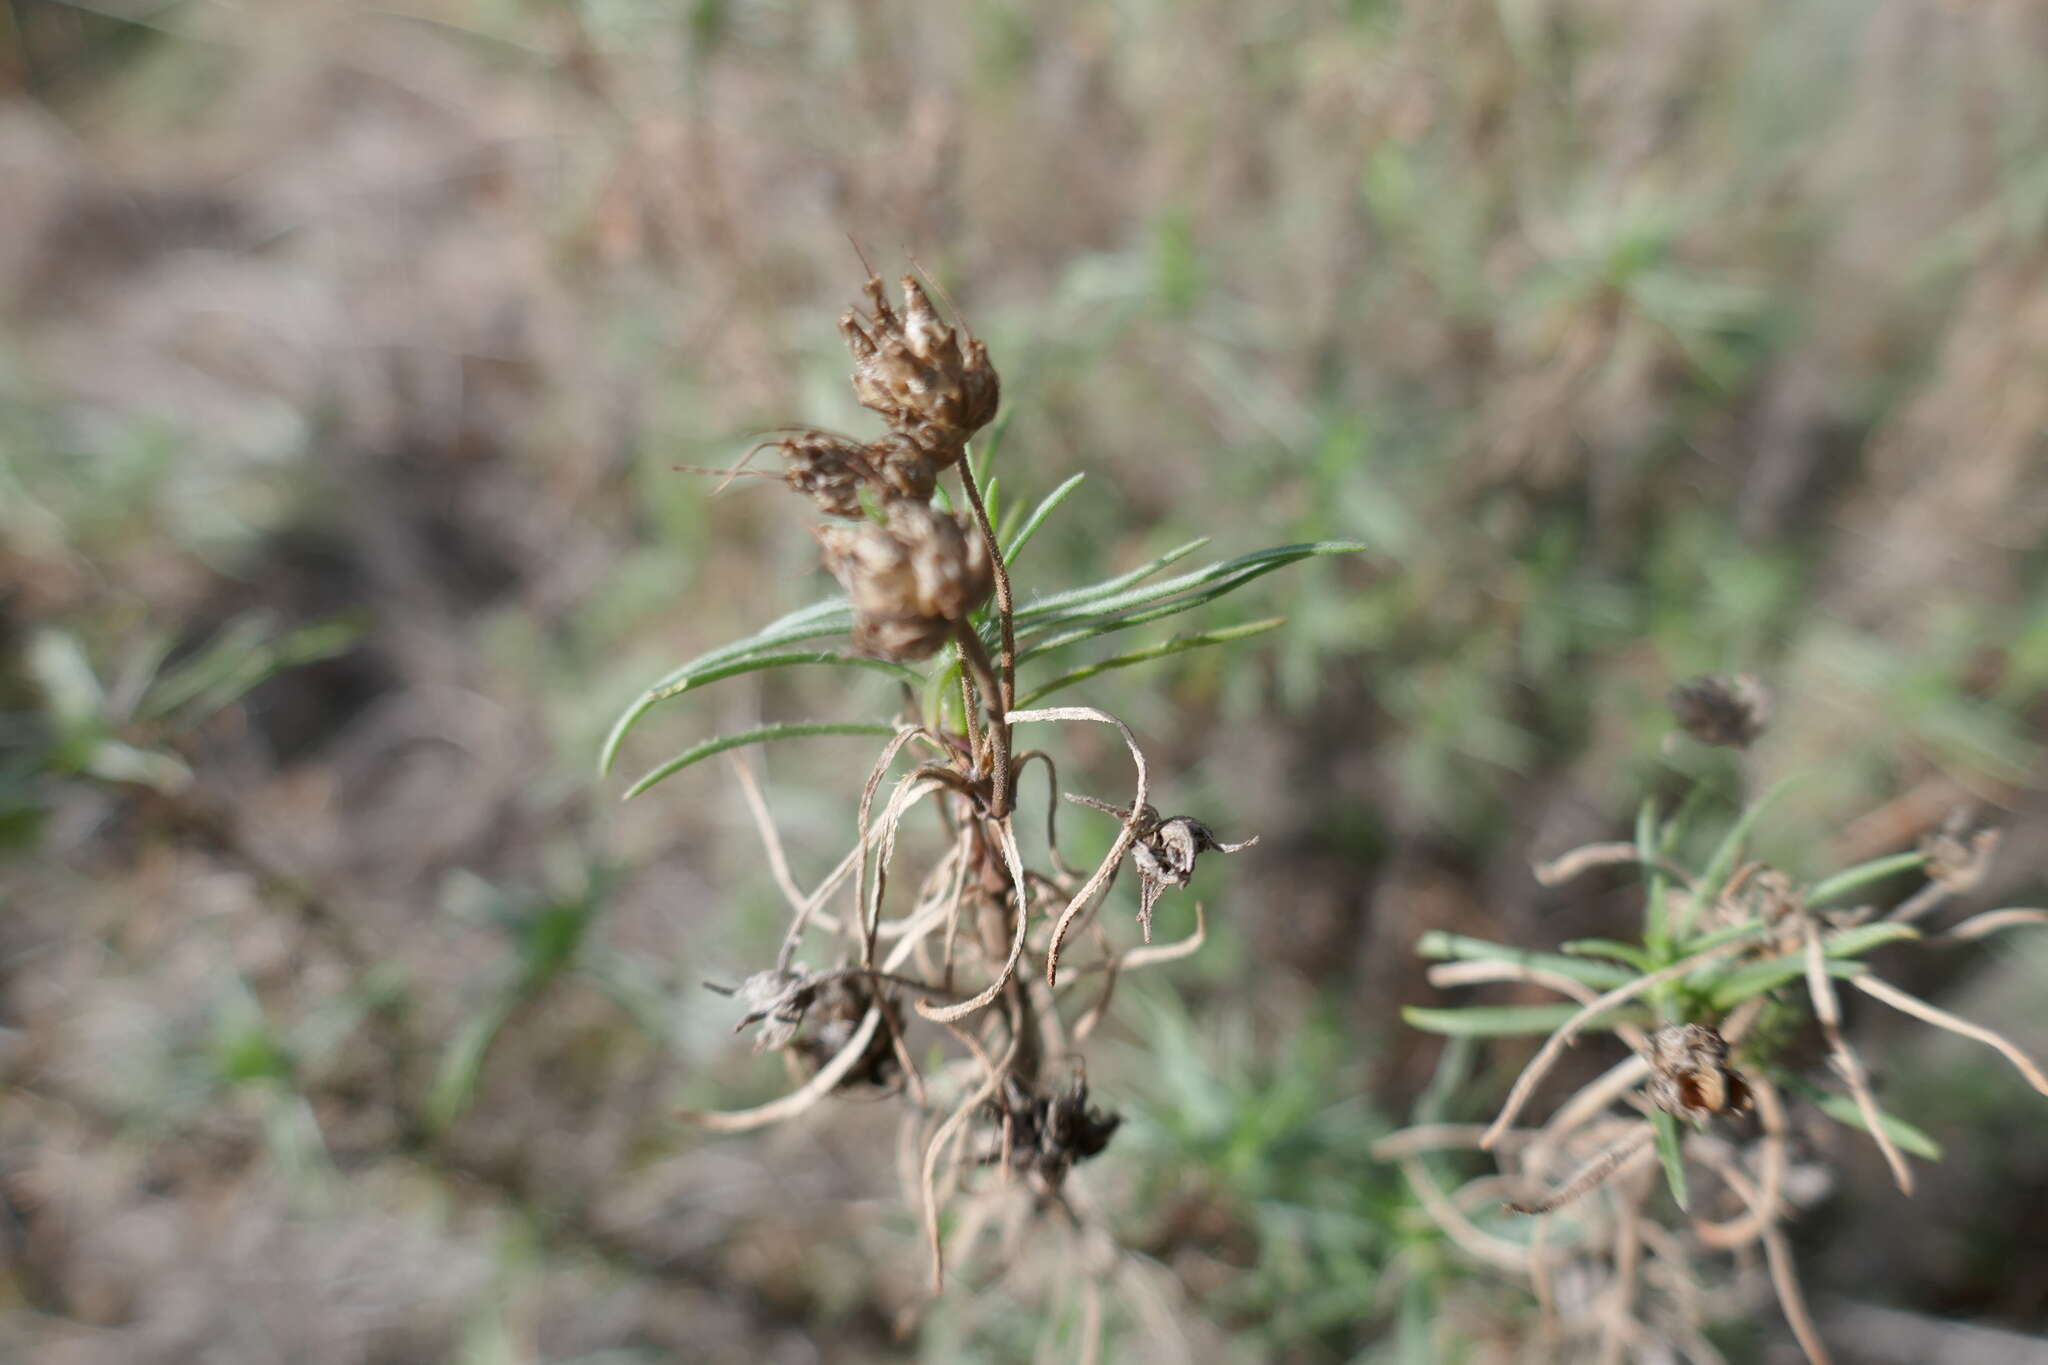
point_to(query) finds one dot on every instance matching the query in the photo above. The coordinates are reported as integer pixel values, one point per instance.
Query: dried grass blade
(1821, 987)
(804, 1096)
(1125, 837)
(1920, 1009)
(941, 1014)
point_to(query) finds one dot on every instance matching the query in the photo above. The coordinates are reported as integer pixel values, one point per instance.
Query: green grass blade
(1602, 976)
(830, 617)
(1722, 864)
(710, 748)
(462, 1063)
(1177, 645)
(1610, 948)
(1038, 515)
(1669, 1151)
(1851, 879)
(760, 662)
(1842, 947)
(1236, 571)
(1108, 587)
(1507, 1021)
(1843, 1110)
(1654, 894)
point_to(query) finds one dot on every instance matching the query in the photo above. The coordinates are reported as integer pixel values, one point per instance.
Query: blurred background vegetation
(348, 352)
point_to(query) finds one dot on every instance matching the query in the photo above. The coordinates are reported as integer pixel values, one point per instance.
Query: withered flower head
(930, 381)
(842, 1002)
(909, 578)
(777, 1000)
(1957, 857)
(1044, 1135)
(1726, 711)
(829, 468)
(1165, 852)
(1689, 1073)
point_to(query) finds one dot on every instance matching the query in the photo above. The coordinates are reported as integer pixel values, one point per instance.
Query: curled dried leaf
(1165, 851)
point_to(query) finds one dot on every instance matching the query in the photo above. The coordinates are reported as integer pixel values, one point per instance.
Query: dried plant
(1703, 1001)
(976, 951)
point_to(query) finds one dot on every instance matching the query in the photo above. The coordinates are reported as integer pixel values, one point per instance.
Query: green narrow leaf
(1757, 977)
(1236, 572)
(1723, 862)
(1088, 627)
(1045, 508)
(712, 747)
(227, 664)
(58, 663)
(1726, 934)
(1670, 1152)
(1108, 587)
(1603, 976)
(1842, 1109)
(1507, 1021)
(1610, 948)
(760, 662)
(1851, 879)
(1177, 645)
(112, 761)
(1861, 939)
(1646, 857)
(829, 617)
(463, 1062)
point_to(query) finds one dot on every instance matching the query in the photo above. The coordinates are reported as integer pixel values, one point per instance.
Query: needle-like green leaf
(1178, 644)
(712, 747)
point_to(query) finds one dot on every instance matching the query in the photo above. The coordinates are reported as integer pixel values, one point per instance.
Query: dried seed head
(1726, 711)
(924, 377)
(1165, 852)
(1044, 1135)
(1957, 858)
(909, 578)
(903, 468)
(776, 1000)
(1689, 1073)
(829, 468)
(842, 1002)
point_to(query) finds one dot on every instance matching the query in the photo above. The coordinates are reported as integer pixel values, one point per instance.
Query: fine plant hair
(998, 962)
(1734, 961)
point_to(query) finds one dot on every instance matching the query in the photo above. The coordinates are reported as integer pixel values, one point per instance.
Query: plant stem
(1005, 611)
(976, 657)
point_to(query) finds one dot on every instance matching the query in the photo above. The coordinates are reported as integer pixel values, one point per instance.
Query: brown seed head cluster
(1689, 1073)
(930, 382)
(1042, 1136)
(1727, 711)
(915, 572)
(910, 577)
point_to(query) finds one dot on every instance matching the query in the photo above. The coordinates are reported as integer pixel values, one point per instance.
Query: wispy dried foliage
(1734, 959)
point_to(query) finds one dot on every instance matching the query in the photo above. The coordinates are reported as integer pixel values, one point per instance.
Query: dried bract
(929, 380)
(831, 469)
(842, 1002)
(1957, 860)
(1165, 852)
(909, 578)
(1690, 1076)
(1043, 1136)
(777, 1000)
(1727, 711)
